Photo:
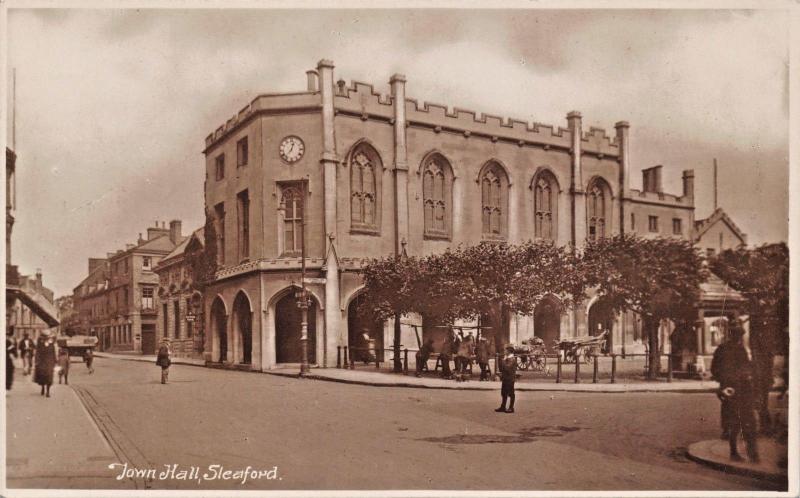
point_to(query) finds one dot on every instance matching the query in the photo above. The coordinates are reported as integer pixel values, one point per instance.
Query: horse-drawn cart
(531, 355)
(576, 348)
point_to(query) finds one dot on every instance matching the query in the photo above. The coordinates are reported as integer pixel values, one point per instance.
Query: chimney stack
(651, 179)
(688, 184)
(312, 80)
(39, 276)
(175, 231)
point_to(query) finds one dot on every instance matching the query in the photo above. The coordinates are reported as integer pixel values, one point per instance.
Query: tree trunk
(497, 317)
(398, 365)
(654, 360)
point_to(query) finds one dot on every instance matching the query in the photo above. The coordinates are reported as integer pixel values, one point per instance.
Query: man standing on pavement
(26, 347)
(482, 356)
(508, 374)
(423, 354)
(163, 360)
(732, 368)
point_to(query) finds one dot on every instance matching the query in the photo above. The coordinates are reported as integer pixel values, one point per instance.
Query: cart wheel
(587, 356)
(540, 363)
(522, 362)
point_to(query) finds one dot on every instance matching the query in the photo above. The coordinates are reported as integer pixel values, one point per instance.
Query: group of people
(461, 350)
(40, 358)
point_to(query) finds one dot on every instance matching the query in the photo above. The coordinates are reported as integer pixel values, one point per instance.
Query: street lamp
(302, 295)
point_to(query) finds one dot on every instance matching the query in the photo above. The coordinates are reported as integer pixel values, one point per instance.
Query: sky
(113, 106)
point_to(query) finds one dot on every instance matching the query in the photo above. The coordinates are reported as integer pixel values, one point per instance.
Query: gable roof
(198, 234)
(702, 226)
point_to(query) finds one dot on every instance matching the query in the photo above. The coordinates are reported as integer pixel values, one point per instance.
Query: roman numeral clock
(292, 149)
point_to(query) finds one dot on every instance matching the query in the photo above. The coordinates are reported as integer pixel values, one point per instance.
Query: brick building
(387, 174)
(116, 301)
(179, 303)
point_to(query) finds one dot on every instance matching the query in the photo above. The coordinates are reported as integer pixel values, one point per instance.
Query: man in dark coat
(45, 361)
(508, 374)
(423, 355)
(11, 353)
(446, 354)
(164, 360)
(732, 368)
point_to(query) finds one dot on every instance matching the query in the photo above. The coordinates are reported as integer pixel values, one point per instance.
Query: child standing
(63, 365)
(163, 360)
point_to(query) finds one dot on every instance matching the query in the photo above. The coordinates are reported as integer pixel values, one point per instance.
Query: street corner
(715, 453)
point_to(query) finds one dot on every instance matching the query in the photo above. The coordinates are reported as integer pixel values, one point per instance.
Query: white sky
(113, 106)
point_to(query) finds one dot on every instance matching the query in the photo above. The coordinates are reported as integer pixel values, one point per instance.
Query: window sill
(436, 236)
(364, 230)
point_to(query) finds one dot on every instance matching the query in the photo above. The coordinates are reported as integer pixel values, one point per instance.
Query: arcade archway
(288, 348)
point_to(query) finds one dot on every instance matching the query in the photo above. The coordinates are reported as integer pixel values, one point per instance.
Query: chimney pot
(175, 231)
(312, 80)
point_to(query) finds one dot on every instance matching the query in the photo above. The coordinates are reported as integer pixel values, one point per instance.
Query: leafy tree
(657, 278)
(487, 279)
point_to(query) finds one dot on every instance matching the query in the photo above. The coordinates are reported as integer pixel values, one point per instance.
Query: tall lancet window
(365, 170)
(598, 197)
(545, 200)
(494, 201)
(437, 178)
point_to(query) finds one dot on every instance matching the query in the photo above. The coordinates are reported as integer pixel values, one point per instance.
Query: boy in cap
(508, 374)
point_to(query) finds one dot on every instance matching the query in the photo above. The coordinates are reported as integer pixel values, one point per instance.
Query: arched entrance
(288, 348)
(243, 329)
(219, 327)
(359, 323)
(601, 318)
(547, 321)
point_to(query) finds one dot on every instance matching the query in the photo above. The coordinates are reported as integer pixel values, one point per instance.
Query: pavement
(53, 442)
(384, 378)
(714, 453)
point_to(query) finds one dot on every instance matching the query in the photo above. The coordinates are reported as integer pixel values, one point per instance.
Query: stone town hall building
(388, 174)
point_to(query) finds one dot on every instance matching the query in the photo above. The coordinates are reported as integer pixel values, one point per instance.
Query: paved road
(323, 435)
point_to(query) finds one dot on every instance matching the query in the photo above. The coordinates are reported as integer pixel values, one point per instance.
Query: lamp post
(302, 295)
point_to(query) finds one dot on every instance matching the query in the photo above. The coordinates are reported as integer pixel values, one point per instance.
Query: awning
(37, 303)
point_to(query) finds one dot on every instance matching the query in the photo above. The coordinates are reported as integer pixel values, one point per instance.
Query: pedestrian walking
(508, 375)
(26, 349)
(45, 361)
(732, 368)
(163, 360)
(88, 358)
(11, 353)
(423, 355)
(63, 365)
(482, 356)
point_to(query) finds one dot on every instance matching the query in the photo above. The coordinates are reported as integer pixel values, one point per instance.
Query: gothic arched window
(365, 170)
(437, 178)
(598, 197)
(545, 202)
(494, 201)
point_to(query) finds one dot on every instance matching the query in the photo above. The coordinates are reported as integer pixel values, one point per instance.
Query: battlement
(265, 103)
(659, 198)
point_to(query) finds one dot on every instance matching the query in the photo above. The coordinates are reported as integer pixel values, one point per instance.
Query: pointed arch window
(365, 170)
(494, 201)
(437, 179)
(545, 200)
(598, 197)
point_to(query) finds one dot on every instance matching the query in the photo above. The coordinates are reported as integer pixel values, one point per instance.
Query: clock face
(292, 149)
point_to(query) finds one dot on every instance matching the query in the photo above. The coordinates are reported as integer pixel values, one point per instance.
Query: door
(148, 338)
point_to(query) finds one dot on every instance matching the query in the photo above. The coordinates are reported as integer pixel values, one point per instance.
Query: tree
(657, 278)
(465, 283)
(203, 263)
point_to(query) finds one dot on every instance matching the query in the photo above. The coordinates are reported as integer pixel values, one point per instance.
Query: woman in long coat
(45, 361)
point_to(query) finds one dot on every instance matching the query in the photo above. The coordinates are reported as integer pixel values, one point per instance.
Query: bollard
(338, 357)
(377, 362)
(558, 368)
(594, 372)
(577, 369)
(405, 361)
(613, 368)
(669, 368)
(352, 360)
(346, 363)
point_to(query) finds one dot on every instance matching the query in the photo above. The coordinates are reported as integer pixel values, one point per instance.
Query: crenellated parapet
(360, 99)
(598, 142)
(660, 198)
(268, 103)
